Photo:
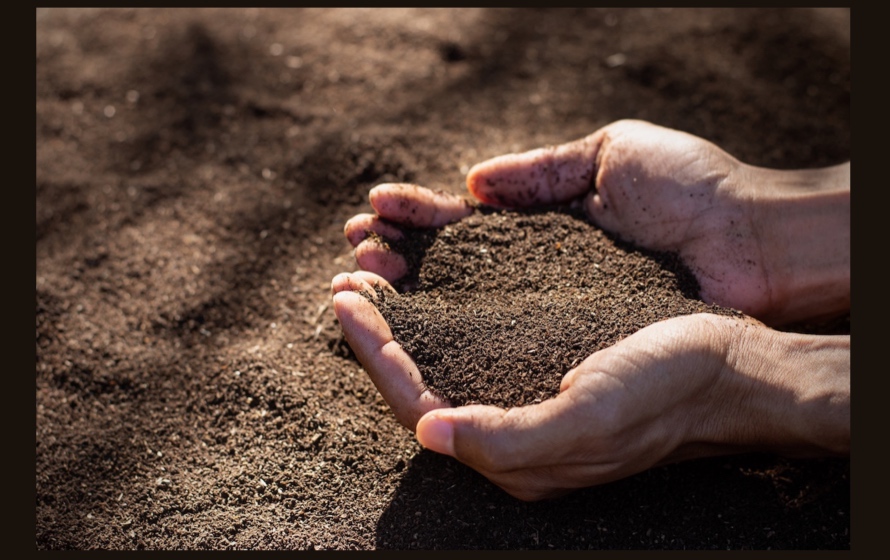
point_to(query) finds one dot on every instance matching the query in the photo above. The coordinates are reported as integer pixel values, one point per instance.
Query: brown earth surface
(194, 169)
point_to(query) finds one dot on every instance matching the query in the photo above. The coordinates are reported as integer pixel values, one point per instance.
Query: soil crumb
(499, 306)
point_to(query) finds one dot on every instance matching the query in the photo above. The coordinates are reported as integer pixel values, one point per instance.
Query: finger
(391, 369)
(374, 280)
(347, 282)
(494, 440)
(551, 175)
(360, 281)
(531, 452)
(376, 256)
(357, 228)
(418, 206)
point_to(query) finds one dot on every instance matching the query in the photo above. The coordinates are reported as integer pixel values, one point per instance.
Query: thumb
(493, 439)
(550, 175)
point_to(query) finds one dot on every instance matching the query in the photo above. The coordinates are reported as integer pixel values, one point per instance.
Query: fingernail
(436, 434)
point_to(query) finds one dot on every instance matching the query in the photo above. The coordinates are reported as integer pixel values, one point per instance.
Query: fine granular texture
(499, 306)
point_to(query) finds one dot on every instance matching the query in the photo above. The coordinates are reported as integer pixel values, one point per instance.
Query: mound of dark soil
(503, 303)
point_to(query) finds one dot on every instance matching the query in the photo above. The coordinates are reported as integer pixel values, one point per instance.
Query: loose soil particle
(503, 303)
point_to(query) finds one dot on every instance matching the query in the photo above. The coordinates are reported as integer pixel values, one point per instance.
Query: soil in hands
(499, 306)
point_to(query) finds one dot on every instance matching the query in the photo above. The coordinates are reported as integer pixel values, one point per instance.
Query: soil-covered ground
(194, 168)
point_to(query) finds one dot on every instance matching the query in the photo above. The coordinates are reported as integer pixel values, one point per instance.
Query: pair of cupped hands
(682, 388)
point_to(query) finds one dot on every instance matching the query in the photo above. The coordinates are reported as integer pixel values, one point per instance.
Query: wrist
(786, 393)
(802, 222)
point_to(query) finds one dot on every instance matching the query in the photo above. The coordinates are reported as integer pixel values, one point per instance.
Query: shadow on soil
(723, 502)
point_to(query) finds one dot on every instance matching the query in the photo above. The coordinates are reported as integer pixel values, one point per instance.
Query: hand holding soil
(753, 237)
(687, 387)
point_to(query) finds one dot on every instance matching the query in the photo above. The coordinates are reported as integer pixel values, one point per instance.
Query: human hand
(747, 233)
(618, 182)
(621, 411)
(687, 387)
